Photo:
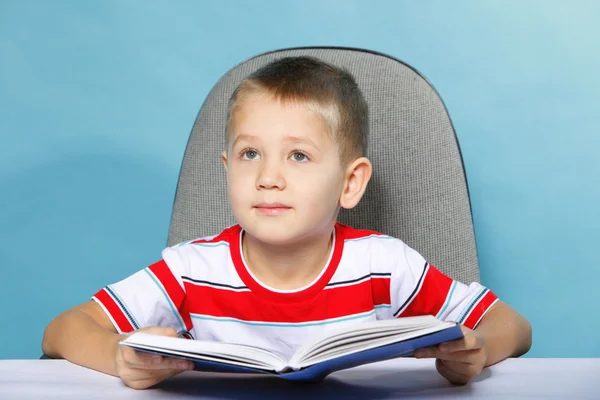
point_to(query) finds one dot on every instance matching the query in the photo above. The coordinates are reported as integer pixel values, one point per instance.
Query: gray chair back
(418, 191)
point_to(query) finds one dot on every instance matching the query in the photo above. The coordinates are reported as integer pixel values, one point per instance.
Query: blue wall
(97, 99)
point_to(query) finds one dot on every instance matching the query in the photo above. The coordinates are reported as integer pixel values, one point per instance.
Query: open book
(361, 344)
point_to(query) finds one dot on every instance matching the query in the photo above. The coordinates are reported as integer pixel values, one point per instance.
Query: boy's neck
(287, 267)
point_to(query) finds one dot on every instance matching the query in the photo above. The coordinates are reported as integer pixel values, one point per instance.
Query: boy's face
(283, 171)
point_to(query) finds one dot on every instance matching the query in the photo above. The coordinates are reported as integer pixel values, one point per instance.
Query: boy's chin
(276, 234)
(274, 237)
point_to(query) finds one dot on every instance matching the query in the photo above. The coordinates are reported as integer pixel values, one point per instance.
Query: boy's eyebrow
(296, 139)
(290, 139)
(242, 136)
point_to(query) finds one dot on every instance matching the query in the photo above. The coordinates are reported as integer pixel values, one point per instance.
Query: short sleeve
(418, 288)
(153, 296)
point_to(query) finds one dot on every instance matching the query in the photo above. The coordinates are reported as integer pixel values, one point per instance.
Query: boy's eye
(300, 157)
(249, 155)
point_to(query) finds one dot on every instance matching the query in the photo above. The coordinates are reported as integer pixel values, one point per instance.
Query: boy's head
(328, 91)
(296, 138)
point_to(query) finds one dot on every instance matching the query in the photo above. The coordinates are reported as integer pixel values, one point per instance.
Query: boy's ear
(224, 159)
(356, 179)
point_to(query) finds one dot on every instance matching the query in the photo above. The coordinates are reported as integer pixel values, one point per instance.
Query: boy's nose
(270, 176)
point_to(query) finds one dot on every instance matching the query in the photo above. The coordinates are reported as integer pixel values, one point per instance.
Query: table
(525, 378)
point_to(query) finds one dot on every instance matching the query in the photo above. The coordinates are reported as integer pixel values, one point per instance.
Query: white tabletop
(526, 378)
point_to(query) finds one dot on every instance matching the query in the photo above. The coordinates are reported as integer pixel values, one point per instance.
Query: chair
(418, 191)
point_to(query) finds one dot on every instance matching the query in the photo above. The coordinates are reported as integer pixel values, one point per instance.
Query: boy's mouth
(272, 208)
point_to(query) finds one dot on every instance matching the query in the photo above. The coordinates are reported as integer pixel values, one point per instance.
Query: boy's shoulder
(207, 258)
(208, 249)
(379, 252)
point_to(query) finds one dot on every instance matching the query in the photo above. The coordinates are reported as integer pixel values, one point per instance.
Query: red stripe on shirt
(480, 309)
(432, 295)
(333, 302)
(351, 233)
(174, 291)
(381, 290)
(116, 313)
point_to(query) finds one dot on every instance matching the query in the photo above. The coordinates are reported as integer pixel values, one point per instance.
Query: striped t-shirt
(204, 289)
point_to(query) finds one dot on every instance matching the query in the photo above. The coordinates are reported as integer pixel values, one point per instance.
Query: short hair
(329, 91)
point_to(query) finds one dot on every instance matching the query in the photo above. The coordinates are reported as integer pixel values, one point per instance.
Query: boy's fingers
(159, 330)
(454, 372)
(465, 356)
(167, 332)
(134, 358)
(140, 360)
(177, 364)
(469, 342)
(165, 363)
(425, 352)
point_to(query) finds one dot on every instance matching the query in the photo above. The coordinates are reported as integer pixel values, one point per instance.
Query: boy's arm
(84, 335)
(506, 333)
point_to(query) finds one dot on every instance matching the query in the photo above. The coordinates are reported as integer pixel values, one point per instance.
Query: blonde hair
(329, 91)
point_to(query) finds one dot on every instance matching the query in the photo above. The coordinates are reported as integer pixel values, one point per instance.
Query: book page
(229, 353)
(355, 347)
(365, 336)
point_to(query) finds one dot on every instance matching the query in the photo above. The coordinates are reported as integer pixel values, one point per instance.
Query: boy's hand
(458, 360)
(140, 370)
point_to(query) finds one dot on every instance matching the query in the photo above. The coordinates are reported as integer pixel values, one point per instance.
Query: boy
(296, 141)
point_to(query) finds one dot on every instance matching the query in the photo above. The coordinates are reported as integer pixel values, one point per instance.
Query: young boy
(296, 141)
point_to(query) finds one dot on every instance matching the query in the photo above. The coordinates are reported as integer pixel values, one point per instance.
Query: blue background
(97, 99)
